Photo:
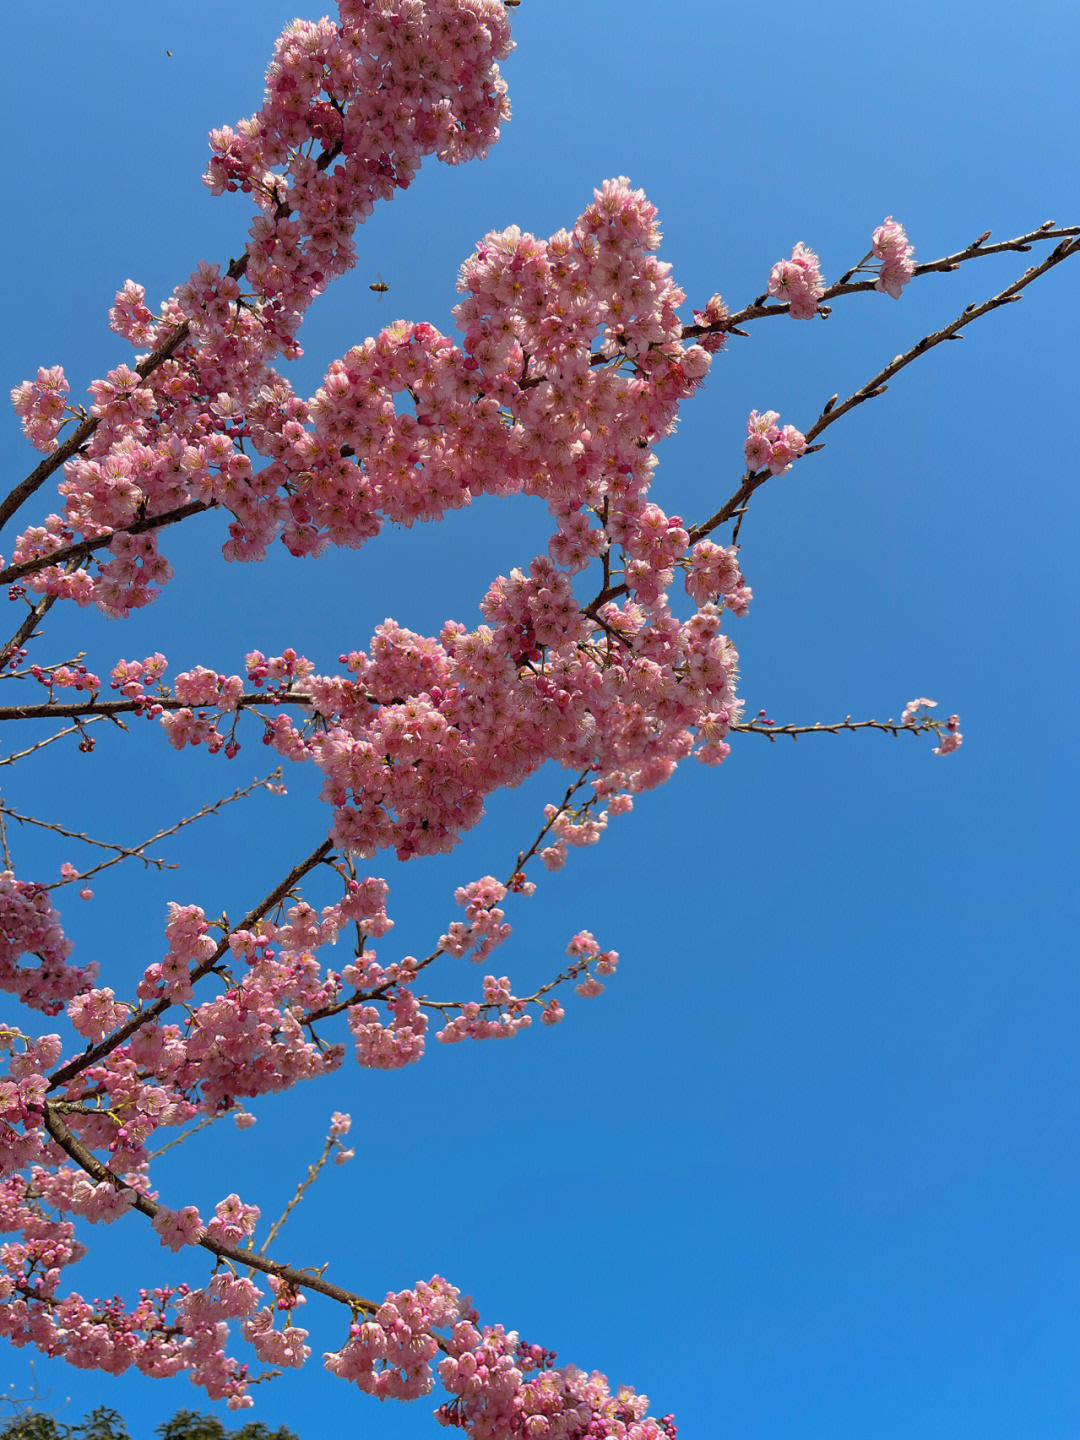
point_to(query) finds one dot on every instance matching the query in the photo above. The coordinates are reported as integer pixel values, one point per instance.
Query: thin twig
(832, 410)
(760, 310)
(927, 725)
(136, 851)
(877, 385)
(123, 852)
(33, 672)
(179, 1140)
(71, 730)
(312, 1175)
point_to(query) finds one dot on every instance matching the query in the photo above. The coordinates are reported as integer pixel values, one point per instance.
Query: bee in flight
(379, 285)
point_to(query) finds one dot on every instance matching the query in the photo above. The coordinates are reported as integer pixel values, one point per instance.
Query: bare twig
(136, 851)
(877, 385)
(179, 1140)
(924, 726)
(40, 745)
(832, 410)
(761, 310)
(332, 1143)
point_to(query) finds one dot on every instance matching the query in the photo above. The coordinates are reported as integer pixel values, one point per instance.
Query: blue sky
(808, 1168)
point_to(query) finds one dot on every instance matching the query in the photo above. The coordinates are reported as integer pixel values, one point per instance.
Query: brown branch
(761, 310)
(80, 436)
(82, 549)
(93, 1054)
(88, 1162)
(69, 710)
(832, 410)
(26, 629)
(927, 725)
(76, 835)
(164, 351)
(71, 730)
(571, 973)
(134, 852)
(877, 385)
(364, 997)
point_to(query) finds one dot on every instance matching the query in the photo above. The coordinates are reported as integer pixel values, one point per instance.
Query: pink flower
(178, 1228)
(891, 247)
(589, 988)
(799, 282)
(912, 708)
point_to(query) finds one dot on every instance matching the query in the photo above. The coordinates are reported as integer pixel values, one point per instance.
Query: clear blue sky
(809, 1167)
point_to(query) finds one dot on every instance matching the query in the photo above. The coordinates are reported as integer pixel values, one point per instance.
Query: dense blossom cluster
(423, 728)
(350, 111)
(30, 929)
(521, 407)
(502, 1388)
(386, 86)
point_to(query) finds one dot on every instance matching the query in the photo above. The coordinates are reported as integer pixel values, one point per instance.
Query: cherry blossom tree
(609, 656)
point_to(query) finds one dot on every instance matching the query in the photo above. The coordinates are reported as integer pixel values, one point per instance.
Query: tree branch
(88, 1162)
(95, 1053)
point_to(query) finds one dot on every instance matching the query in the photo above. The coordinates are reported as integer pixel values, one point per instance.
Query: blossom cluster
(424, 728)
(896, 255)
(950, 741)
(716, 313)
(168, 1331)
(799, 282)
(481, 420)
(40, 405)
(505, 1390)
(770, 447)
(373, 94)
(501, 1387)
(350, 111)
(30, 927)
